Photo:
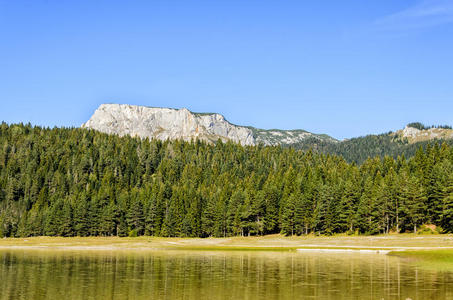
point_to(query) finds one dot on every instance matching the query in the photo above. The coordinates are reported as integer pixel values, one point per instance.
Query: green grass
(441, 259)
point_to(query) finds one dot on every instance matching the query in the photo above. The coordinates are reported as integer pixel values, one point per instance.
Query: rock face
(414, 135)
(167, 123)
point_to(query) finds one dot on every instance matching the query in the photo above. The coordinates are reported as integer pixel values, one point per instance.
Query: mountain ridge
(171, 123)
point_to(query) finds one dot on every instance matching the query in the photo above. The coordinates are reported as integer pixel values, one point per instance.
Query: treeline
(77, 182)
(421, 126)
(359, 149)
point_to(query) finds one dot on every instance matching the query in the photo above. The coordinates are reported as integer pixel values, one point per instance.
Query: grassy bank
(270, 242)
(426, 251)
(439, 259)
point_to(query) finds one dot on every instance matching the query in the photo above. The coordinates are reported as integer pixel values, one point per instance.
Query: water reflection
(35, 274)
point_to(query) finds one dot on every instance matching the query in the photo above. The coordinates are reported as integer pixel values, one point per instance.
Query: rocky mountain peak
(169, 123)
(413, 134)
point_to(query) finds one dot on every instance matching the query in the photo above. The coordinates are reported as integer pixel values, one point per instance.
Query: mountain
(168, 123)
(417, 132)
(402, 142)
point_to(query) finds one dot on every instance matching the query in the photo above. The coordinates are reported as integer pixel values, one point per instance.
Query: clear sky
(345, 68)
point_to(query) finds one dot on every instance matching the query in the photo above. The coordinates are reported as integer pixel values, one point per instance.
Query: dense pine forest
(360, 149)
(78, 182)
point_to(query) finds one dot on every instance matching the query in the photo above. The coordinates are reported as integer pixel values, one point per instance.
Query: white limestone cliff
(414, 135)
(167, 123)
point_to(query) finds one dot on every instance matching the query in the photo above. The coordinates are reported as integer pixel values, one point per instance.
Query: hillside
(417, 132)
(167, 123)
(402, 142)
(77, 182)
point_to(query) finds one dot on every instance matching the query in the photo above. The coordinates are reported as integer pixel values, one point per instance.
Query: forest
(360, 149)
(79, 182)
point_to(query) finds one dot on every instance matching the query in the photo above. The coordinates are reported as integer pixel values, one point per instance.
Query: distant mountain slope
(402, 142)
(167, 123)
(417, 132)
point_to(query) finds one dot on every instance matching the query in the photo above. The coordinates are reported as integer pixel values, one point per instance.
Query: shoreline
(327, 249)
(433, 251)
(383, 244)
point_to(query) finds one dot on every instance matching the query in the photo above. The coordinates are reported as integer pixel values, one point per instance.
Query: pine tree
(413, 202)
(289, 215)
(447, 205)
(135, 217)
(66, 224)
(271, 200)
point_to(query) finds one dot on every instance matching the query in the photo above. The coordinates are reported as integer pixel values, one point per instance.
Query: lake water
(65, 275)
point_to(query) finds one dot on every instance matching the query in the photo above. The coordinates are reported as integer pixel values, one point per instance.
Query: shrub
(428, 229)
(417, 125)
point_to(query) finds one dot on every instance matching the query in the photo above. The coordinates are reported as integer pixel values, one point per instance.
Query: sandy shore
(363, 244)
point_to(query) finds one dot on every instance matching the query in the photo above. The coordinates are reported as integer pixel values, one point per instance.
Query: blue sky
(345, 68)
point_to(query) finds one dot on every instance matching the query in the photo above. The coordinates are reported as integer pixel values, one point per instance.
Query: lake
(177, 274)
